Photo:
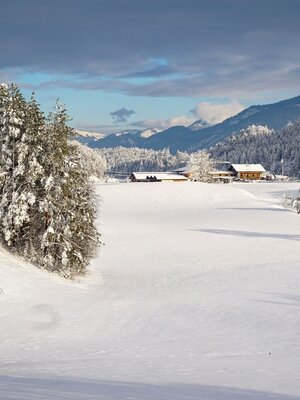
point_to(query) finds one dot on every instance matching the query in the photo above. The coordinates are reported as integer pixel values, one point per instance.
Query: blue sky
(152, 63)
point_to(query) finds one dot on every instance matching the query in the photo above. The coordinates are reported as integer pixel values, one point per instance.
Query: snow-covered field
(195, 295)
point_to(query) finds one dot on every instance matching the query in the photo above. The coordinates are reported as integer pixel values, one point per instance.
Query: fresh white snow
(195, 295)
(88, 134)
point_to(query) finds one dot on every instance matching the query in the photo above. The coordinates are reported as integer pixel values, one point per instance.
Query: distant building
(157, 177)
(185, 171)
(248, 171)
(223, 176)
(234, 172)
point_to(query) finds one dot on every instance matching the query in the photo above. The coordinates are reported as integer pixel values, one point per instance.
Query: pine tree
(70, 238)
(14, 202)
(33, 177)
(47, 208)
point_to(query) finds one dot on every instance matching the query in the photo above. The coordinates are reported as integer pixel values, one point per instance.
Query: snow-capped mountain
(127, 138)
(199, 124)
(126, 132)
(149, 132)
(95, 135)
(200, 136)
(142, 133)
(274, 116)
(87, 137)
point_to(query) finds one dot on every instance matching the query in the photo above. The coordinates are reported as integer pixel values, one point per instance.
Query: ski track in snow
(195, 295)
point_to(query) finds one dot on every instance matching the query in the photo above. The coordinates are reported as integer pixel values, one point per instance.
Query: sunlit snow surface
(195, 295)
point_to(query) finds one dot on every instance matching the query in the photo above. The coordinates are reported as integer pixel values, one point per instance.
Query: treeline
(258, 144)
(123, 161)
(126, 160)
(47, 207)
(255, 144)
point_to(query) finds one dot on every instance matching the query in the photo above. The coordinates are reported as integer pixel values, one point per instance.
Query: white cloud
(164, 123)
(215, 113)
(209, 112)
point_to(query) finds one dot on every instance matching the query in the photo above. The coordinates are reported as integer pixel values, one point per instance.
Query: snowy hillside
(258, 144)
(194, 296)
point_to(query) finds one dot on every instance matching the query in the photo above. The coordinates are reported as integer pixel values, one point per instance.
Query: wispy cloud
(236, 83)
(163, 123)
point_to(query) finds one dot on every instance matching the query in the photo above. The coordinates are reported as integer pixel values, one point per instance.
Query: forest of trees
(258, 144)
(126, 160)
(47, 206)
(122, 161)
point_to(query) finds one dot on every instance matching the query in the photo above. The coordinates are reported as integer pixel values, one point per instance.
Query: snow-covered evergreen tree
(95, 164)
(70, 238)
(15, 201)
(31, 161)
(47, 209)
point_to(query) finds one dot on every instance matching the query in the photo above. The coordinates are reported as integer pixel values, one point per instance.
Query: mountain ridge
(180, 138)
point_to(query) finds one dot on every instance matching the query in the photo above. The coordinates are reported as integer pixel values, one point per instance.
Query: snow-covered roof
(164, 176)
(222, 172)
(182, 169)
(248, 167)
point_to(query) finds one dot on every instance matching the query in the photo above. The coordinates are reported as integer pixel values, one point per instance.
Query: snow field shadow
(249, 234)
(17, 388)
